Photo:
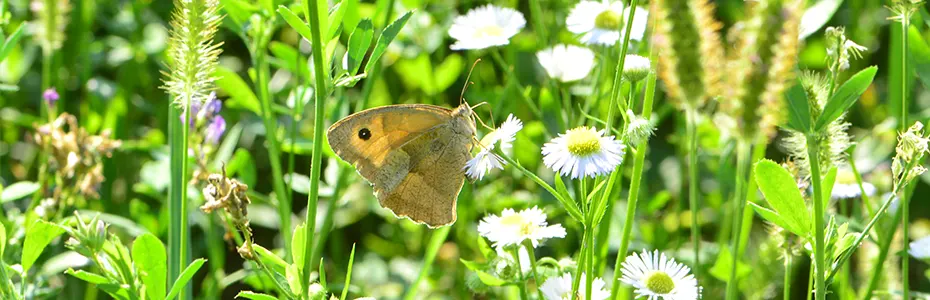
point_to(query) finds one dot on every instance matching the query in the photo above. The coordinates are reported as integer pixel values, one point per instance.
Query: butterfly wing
(429, 191)
(412, 156)
(368, 139)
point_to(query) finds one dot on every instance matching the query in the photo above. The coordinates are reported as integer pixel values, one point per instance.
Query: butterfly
(412, 154)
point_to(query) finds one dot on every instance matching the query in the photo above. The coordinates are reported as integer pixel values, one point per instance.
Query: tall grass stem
(320, 93)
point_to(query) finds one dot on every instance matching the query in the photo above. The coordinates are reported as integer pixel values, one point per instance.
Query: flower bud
(636, 68)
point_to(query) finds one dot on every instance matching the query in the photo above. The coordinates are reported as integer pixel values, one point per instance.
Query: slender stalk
(582, 262)
(813, 153)
(177, 219)
(516, 257)
(786, 291)
(884, 245)
(905, 209)
(693, 187)
(274, 154)
(530, 251)
(739, 202)
(317, 153)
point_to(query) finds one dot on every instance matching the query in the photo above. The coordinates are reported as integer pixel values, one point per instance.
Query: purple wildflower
(215, 130)
(50, 96)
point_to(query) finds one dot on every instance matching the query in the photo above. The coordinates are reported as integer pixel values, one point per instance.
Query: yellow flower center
(583, 141)
(489, 31)
(659, 282)
(608, 19)
(512, 220)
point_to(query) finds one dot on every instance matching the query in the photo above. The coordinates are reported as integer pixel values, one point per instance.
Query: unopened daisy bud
(50, 96)
(639, 129)
(636, 68)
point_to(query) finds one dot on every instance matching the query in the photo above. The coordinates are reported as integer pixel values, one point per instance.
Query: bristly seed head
(192, 52)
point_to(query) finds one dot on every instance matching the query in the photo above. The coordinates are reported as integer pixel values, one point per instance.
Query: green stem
(317, 152)
(693, 187)
(496, 56)
(522, 286)
(813, 153)
(274, 155)
(531, 252)
(582, 260)
(175, 200)
(884, 243)
(883, 246)
(786, 291)
(905, 209)
(739, 202)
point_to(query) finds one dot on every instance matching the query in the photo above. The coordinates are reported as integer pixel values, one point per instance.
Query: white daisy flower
(566, 63)
(482, 164)
(583, 151)
(657, 277)
(920, 249)
(598, 22)
(512, 228)
(485, 160)
(560, 288)
(485, 26)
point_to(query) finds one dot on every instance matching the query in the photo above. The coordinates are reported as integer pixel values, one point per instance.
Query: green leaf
(255, 296)
(783, 195)
(11, 41)
(148, 254)
(2, 242)
(334, 20)
(185, 277)
(446, 73)
(270, 259)
(345, 286)
(799, 111)
(38, 236)
(816, 16)
(296, 23)
(298, 239)
(721, 268)
(845, 96)
(489, 279)
(828, 182)
(18, 190)
(919, 54)
(289, 58)
(351, 18)
(773, 217)
(358, 45)
(87, 276)
(241, 96)
(385, 39)
(471, 265)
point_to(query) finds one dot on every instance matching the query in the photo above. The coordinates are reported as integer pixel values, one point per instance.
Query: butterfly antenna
(468, 82)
